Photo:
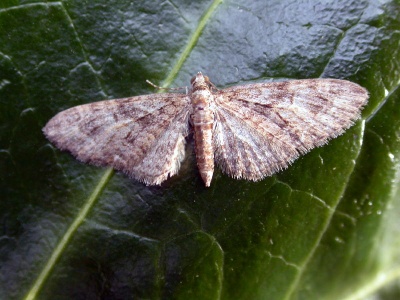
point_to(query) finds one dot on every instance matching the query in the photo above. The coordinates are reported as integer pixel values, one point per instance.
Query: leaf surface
(327, 227)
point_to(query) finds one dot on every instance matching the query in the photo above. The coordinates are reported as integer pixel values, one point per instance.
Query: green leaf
(325, 228)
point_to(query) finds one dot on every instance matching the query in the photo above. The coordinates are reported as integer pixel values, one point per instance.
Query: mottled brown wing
(142, 136)
(261, 128)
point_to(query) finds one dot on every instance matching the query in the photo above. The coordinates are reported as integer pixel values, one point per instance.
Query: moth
(249, 131)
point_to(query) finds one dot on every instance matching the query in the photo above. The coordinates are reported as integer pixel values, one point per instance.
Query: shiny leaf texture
(325, 228)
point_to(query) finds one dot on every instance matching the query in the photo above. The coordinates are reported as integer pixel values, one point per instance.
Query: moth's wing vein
(244, 151)
(262, 128)
(143, 136)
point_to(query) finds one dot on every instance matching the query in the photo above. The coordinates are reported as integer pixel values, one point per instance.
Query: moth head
(200, 79)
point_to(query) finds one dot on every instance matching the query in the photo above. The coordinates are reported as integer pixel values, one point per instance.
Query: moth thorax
(201, 98)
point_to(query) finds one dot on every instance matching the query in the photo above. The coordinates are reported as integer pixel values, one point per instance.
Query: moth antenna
(165, 88)
(212, 85)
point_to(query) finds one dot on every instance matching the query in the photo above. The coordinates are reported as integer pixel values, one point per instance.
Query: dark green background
(325, 228)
